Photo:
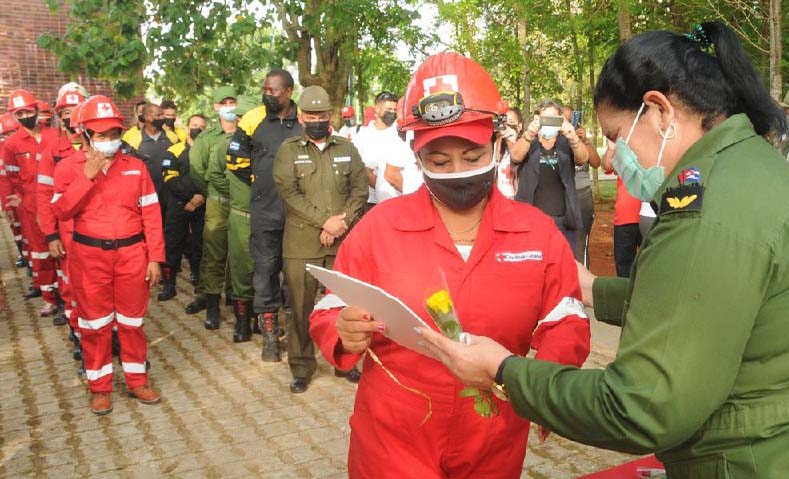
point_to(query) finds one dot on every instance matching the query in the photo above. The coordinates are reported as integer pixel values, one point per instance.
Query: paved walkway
(224, 414)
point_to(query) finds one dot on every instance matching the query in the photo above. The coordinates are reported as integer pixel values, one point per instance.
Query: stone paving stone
(225, 413)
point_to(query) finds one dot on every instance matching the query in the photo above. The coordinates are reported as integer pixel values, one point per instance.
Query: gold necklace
(456, 233)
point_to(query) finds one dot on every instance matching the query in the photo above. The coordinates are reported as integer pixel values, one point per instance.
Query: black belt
(108, 244)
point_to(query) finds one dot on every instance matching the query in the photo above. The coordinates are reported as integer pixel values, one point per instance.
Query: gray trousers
(586, 205)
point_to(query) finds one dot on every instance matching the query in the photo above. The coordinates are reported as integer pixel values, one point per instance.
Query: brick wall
(23, 64)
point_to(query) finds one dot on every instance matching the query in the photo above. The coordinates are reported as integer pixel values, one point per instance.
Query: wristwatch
(497, 388)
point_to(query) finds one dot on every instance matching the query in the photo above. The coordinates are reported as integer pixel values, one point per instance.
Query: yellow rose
(440, 302)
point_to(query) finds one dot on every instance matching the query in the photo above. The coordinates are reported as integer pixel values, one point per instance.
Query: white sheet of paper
(399, 319)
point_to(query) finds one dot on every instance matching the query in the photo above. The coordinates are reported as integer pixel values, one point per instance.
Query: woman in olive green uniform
(702, 373)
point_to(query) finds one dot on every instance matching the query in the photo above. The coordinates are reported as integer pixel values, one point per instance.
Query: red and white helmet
(451, 95)
(21, 100)
(99, 113)
(69, 98)
(8, 123)
(69, 88)
(347, 112)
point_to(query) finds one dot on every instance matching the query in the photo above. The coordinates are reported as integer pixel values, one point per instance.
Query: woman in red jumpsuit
(117, 244)
(510, 272)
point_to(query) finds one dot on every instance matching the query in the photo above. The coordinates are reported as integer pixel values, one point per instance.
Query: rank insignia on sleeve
(686, 197)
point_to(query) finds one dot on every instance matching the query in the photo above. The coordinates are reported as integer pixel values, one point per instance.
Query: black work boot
(32, 292)
(76, 351)
(60, 318)
(21, 262)
(242, 332)
(197, 305)
(270, 322)
(211, 311)
(168, 287)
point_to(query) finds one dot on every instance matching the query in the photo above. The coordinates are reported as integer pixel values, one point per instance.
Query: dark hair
(385, 96)
(285, 75)
(140, 103)
(720, 82)
(168, 105)
(518, 113)
(197, 115)
(547, 103)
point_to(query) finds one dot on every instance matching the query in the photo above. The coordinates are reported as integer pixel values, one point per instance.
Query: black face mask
(348, 123)
(194, 132)
(388, 118)
(29, 122)
(67, 125)
(461, 194)
(317, 130)
(272, 104)
(170, 122)
(158, 124)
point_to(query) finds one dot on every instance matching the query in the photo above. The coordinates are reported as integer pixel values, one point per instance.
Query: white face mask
(107, 148)
(549, 132)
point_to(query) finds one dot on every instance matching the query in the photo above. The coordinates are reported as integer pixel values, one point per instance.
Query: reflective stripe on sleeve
(95, 323)
(46, 180)
(330, 301)
(567, 307)
(148, 200)
(11, 168)
(39, 254)
(127, 321)
(94, 374)
(136, 368)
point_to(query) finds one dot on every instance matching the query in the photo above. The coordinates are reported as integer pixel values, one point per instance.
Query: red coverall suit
(519, 287)
(15, 225)
(108, 281)
(21, 157)
(50, 226)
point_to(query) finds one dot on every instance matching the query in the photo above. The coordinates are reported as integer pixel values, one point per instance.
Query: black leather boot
(197, 305)
(242, 332)
(76, 352)
(32, 292)
(211, 311)
(168, 286)
(269, 322)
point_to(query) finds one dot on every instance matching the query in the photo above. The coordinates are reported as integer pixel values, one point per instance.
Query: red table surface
(626, 470)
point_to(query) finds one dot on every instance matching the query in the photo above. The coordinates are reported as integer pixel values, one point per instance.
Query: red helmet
(21, 100)
(99, 113)
(69, 98)
(8, 123)
(75, 121)
(451, 95)
(348, 112)
(43, 107)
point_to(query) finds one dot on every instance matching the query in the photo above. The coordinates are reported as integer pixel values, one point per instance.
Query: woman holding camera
(546, 156)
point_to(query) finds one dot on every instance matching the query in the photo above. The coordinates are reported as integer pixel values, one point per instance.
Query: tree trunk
(776, 78)
(623, 17)
(593, 129)
(578, 59)
(522, 44)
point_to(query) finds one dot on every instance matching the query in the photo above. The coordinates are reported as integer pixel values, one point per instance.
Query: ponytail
(707, 70)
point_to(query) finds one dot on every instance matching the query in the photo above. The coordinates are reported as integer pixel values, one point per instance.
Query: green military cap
(222, 92)
(314, 98)
(246, 103)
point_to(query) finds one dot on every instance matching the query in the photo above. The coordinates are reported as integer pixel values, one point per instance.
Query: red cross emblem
(440, 83)
(105, 110)
(72, 99)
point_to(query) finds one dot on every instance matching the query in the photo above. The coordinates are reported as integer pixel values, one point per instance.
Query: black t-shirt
(549, 195)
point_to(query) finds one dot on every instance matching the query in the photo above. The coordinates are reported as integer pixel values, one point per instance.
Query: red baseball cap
(479, 132)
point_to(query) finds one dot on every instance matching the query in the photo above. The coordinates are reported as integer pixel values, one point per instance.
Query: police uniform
(701, 375)
(314, 185)
(179, 224)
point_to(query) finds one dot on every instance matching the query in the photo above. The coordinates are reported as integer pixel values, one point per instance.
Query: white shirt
(378, 148)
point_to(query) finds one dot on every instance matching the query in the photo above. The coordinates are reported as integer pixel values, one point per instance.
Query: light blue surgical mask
(228, 113)
(549, 132)
(640, 182)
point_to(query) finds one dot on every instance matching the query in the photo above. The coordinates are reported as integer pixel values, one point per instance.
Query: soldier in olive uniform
(323, 184)
(214, 259)
(238, 172)
(701, 374)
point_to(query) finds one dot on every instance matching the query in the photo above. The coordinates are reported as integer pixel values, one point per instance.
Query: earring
(672, 127)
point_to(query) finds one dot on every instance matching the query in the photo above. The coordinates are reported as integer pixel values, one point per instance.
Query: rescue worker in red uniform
(21, 156)
(116, 249)
(507, 267)
(8, 125)
(58, 234)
